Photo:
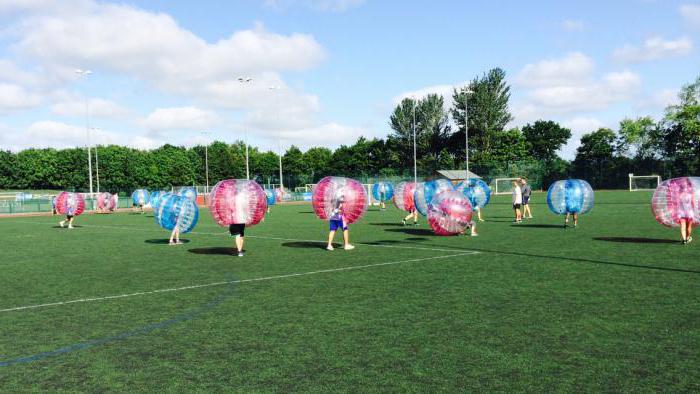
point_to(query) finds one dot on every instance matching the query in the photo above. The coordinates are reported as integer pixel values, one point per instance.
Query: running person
(69, 218)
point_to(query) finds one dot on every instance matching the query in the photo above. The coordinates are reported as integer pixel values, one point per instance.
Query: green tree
(594, 158)
(510, 146)
(318, 162)
(486, 98)
(8, 164)
(680, 130)
(637, 138)
(545, 138)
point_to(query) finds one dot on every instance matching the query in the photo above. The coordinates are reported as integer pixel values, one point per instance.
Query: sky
(325, 72)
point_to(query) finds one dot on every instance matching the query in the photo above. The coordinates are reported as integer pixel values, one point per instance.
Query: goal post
(503, 185)
(643, 182)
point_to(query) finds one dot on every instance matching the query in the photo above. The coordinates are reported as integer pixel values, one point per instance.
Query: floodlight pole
(279, 141)
(246, 80)
(467, 91)
(97, 163)
(206, 166)
(415, 164)
(84, 74)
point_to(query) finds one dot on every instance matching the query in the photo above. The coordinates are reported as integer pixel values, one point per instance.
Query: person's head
(523, 180)
(515, 183)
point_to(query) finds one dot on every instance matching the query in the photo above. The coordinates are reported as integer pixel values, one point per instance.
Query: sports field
(612, 305)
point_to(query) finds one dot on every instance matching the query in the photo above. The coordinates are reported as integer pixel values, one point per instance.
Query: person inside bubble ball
(70, 214)
(337, 221)
(175, 234)
(517, 202)
(382, 197)
(413, 214)
(686, 207)
(527, 191)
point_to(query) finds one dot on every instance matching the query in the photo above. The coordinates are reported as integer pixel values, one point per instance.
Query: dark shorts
(237, 229)
(526, 200)
(337, 224)
(516, 206)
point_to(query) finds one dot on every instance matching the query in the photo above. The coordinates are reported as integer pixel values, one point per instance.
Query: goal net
(644, 182)
(503, 185)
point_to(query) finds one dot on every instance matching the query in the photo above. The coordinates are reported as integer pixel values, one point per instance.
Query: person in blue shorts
(337, 221)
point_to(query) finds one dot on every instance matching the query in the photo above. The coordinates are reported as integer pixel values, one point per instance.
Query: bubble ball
(105, 201)
(331, 191)
(189, 193)
(140, 197)
(403, 196)
(449, 213)
(236, 201)
(570, 196)
(177, 211)
(115, 201)
(476, 190)
(70, 203)
(155, 198)
(677, 199)
(271, 198)
(426, 191)
(383, 191)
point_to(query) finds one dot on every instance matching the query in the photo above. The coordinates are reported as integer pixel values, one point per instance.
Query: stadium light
(246, 80)
(467, 92)
(206, 165)
(97, 162)
(85, 74)
(276, 89)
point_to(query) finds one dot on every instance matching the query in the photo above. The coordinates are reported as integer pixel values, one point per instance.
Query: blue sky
(163, 71)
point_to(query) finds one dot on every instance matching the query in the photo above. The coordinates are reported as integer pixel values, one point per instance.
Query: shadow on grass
(637, 240)
(386, 224)
(416, 239)
(306, 212)
(66, 227)
(383, 242)
(411, 231)
(537, 225)
(163, 241)
(214, 250)
(574, 259)
(305, 245)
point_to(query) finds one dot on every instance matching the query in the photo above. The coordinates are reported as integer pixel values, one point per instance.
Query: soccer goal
(644, 182)
(503, 185)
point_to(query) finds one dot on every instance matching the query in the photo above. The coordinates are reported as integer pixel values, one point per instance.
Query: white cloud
(654, 48)
(658, 101)
(573, 25)
(61, 135)
(14, 97)
(569, 85)
(181, 118)
(691, 14)
(574, 68)
(318, 5)
(98, 108)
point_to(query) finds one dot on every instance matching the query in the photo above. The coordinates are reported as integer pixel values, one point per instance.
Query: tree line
(667, 147)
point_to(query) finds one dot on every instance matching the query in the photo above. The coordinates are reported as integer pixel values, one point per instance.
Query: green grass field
(613, 305)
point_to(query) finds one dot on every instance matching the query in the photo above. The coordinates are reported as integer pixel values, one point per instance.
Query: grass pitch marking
(261, 279)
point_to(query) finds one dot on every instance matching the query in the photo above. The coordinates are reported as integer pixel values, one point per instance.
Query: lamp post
(206, 165)
(467, 92)
(246, 80)
(415, 165)
(97, 163)
(279, 141)
(85, 74)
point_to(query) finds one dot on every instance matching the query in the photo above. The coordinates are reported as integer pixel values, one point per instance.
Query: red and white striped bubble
(403, 196)
(72, 204)
(106, 202)
(331, 191)
(677, 200)
(449, 213)
(237, 201)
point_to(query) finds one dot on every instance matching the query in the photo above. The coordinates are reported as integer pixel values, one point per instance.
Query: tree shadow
(411, 231)
(305, 245)
(640, 240)
(164, 241)
(214, 250)
(537, 225)
(386, 224)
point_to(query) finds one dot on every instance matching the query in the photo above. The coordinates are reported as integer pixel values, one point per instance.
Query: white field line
(223, 233)
(265, 278)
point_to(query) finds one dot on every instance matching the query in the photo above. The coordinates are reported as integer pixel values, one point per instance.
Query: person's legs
(566, 220)
(527, 212)
(239, 244)
(70, 221)
(415, 217)
(472, 226)
(689, 230)
(478, 214)
(684, 231)
(346, 239)
(331, 234)
(575, 219)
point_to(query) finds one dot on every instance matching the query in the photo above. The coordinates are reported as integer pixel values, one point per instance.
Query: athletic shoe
(690, 239)
(475, 235)
(240, 254)
(171, 243)
(481, 220)
(178, 243)
(70, 226)
(684, 242)
(349, 247)
(329, 247)
(61, 224)
(403, 221)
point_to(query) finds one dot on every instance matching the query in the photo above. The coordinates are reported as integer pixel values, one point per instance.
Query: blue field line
(218, 300)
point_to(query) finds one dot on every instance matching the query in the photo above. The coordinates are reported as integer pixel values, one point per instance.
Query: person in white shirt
(517, 202)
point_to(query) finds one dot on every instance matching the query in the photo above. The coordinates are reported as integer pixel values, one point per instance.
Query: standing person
(517, 202)
(566, 220)
(527, 191)
(337, 221)
(686, 206)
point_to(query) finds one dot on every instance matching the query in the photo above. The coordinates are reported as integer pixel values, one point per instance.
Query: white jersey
(517, 195)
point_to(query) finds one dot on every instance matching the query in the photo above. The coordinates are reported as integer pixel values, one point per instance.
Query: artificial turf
(612, 305)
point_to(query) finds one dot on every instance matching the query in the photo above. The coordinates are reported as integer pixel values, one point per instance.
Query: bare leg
(575, 219)
(478, 214)
(566, 220)
(331, 234)
(528, 213)
(70, 223)
(346, 237)
(684, 230)
(172, 236)
(239, 243)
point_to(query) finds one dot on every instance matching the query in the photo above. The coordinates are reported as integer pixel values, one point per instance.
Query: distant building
(456, 176)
